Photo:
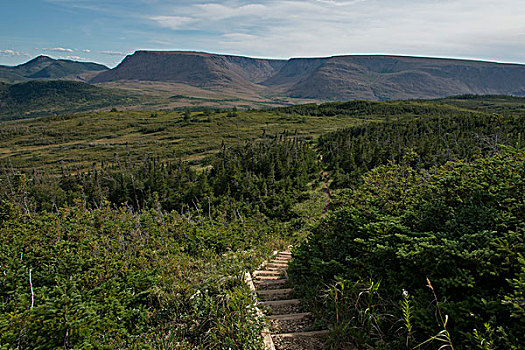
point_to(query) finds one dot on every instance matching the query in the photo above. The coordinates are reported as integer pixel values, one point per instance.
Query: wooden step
(283, 307)
(291, 322)
(271, 284)
(279, 261)
(266, 273)
(275, 294)
(313, 340)
(279, 269)
(258, 279)
(289, 327)
(285, 252)
(284, 257)
(273, 265)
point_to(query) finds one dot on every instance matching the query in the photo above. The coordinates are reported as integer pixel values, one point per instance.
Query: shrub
(461, 226)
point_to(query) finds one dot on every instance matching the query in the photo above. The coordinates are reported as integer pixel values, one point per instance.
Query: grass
(85, 138)
(81, 139)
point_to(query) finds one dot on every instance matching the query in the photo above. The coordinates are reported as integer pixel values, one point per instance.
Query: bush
(461, 226)
(111, 278)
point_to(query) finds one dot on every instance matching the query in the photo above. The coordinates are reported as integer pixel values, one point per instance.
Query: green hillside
(47, 68)
(37, 98)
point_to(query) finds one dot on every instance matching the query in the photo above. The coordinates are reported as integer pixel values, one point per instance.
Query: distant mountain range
(332, 78)
(259, 81)
(46, 68)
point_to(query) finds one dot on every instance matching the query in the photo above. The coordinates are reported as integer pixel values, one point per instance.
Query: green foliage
(358, 312)
(436, 139)
(407, 311)
(109, 278)
(122, 244)
(444, 107)
(37, 98)
(365, 109)
(461, 226)
(76, 141)
(187, 114)
(136, 276)
(267, 176)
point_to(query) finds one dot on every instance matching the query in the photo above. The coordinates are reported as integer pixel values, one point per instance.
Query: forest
(420, 244)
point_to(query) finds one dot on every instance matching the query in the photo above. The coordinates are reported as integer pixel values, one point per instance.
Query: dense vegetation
(440, 107)
(133, 229)
(36, 98)
(353, 151)
(367, 109)
(426, 247)
(78, 140)
(79, 270)
(110, 278)
(460, 226)
(267, 176)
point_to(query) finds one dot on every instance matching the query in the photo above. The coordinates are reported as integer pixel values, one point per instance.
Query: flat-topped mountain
(370, 77)
(43, 67)
(193, 68)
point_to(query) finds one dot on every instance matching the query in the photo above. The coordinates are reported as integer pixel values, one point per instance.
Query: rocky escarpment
(332, 78)
(192, 68)
(390, 77)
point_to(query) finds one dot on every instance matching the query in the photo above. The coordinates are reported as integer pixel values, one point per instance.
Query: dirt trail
(326, 191)
(291, 327)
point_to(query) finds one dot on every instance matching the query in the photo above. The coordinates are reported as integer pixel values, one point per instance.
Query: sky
(105, 31)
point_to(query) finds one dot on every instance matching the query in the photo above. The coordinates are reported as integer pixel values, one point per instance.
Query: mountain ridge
(343, 77)
(46, 68)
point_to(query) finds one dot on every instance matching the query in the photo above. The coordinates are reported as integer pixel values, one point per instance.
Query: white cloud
(86, 51)
(214, 11)
(239, 36)
(172, 22)
(9, 52)
(75, 58)
(291, 28)
(483, 29)
(112, 53)
(57, 49)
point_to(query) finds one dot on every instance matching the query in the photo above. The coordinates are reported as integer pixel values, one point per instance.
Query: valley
(131, 210)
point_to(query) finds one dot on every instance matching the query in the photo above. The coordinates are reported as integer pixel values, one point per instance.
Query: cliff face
(389, 77)
(192, 68)
(332, 78)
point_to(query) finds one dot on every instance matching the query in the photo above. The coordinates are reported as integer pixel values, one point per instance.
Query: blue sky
(105, 31)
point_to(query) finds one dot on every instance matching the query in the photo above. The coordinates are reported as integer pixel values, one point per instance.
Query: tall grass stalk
(444, 335)
(408, 310)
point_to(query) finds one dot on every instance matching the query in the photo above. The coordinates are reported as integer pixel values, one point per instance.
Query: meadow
(78, 140)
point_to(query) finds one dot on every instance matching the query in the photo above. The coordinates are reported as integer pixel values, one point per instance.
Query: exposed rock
(332, 78)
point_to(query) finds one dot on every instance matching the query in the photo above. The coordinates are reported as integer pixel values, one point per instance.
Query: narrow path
(326, 190)
(291, 328)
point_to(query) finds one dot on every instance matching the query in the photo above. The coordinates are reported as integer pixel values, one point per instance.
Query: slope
(37, 98)
(43, 67)
(193, 68)
(395, 78)
(322, 79)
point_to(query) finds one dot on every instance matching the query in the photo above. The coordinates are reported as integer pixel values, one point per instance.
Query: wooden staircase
(290, 328)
